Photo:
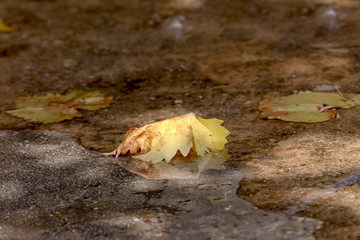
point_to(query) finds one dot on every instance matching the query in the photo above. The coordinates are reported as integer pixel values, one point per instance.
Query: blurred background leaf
(56, 107)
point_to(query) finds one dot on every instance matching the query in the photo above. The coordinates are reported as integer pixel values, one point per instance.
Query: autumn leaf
(90, 101)
(163, 140)
(46, 114)
(356, 99)
(56, 107)
(304, 107)
(191, 143)
(5, 28)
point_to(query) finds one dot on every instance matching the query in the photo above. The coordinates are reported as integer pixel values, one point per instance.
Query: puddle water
(178, 168)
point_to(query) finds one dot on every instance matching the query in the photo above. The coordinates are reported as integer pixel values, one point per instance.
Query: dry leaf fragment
(5, 28)
(162, 140)
(356, 99)
(304, 107)
(46, 114)
(90, 101)
(56, 107)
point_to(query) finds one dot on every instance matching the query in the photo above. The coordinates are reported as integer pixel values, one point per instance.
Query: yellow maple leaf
(164, 139)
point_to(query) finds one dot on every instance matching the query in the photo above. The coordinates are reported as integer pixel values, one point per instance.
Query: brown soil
(228, 56)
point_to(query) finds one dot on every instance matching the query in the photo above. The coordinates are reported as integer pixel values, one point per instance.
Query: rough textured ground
(52, 188)
(219, 60)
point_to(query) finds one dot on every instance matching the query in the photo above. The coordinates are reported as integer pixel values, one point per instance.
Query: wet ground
(52, 188)
(216, 58)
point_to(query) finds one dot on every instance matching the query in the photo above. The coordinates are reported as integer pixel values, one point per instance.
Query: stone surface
(53, 188)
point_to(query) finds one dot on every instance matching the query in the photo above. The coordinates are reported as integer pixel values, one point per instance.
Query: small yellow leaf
(5, 28)
(304, 107)
(56, 107)
(163, 140)
(46, 114)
